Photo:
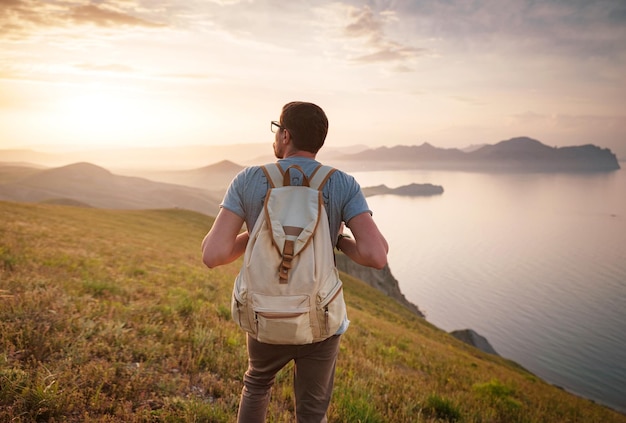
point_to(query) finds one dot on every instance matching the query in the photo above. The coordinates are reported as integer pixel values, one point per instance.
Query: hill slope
(215, 177)
(110, 316)
(97, 187)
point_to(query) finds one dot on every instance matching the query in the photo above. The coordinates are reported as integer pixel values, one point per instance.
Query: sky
(452, 73)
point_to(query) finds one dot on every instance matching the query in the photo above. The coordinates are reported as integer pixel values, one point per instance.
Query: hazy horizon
(135, 159)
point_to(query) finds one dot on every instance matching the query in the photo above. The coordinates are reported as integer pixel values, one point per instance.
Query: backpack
(288, 290)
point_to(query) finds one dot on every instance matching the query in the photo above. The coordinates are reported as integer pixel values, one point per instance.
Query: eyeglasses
(275, 126)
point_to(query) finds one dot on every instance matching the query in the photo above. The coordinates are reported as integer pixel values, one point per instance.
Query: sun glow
(99, 116)
(121, 116)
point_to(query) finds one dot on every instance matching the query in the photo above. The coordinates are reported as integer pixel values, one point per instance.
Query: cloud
(190, 76)
(107, 17)
(112, 67)
(570, 122)
(364, 24)
(569, 28)
(374, 45)
(469, 100)
(21, 19)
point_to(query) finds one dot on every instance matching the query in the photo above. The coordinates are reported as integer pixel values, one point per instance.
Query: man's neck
(299, 153)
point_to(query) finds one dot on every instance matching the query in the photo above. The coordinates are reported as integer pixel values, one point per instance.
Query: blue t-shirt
(343, 198)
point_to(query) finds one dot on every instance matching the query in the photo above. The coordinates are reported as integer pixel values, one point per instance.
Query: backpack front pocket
(282, 319)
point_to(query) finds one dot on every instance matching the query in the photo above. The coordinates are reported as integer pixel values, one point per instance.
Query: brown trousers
(314, 374)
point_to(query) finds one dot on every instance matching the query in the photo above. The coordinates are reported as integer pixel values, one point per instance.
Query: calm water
(535, 263)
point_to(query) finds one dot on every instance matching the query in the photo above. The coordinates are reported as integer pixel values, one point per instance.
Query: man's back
(343, 198)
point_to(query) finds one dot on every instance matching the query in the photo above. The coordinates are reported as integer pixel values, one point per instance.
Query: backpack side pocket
(331, 307)
(240, 309)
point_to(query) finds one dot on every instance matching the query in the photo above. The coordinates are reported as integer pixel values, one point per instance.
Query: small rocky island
(405, 190)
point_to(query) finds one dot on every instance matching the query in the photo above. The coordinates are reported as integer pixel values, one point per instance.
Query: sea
(534, 262)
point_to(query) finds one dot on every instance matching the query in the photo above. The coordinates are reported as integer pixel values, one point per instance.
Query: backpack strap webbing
(279, 178)
(320, 175)
(287, 176)
(285, 266)
(274, 174)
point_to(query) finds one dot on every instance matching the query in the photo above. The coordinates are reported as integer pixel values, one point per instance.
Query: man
(300, 133)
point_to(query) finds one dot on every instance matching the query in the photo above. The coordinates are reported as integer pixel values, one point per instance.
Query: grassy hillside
(109, 316)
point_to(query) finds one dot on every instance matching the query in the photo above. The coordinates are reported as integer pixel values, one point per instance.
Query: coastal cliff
(382, 280)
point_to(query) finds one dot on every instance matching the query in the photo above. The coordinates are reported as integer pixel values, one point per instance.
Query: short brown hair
(307, 124)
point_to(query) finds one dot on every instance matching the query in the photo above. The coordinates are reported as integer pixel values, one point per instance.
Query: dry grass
(109, 316)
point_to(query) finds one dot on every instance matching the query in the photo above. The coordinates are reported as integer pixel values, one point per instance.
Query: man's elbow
(210, 260)
(379, 263)
(209, 263)
(378, 255)
(376, 259)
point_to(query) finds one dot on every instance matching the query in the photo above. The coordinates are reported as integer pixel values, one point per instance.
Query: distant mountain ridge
(202, 189)
(516, 154)
(215, 177)
(94, 186)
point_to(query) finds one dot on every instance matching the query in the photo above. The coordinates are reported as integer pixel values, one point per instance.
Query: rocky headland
(384, 281)
(520, 154)
(381, 279)
(472, 338)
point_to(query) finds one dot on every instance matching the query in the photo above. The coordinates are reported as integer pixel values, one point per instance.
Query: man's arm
(369, 247)
(224, 244)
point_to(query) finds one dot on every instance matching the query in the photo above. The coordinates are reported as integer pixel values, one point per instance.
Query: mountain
(215, 177)
(88, 185)
(521, 154)
(91, 185)
(155, 157)
(527, 153)
(13, 171)
(403, 153)
(179, 157)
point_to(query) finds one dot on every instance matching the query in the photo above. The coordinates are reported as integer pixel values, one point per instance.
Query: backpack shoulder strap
(274, 174)
(320, 176)
(279, 178)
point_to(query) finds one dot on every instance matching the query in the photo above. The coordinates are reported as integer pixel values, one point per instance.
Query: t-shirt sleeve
(356, 202)
(233, 199)
(246, 193)
(346, 200)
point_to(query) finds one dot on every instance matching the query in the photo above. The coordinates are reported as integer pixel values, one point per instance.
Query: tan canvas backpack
(288, 290)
